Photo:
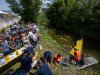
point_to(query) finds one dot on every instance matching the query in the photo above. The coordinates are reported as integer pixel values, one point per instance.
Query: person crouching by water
(77, 56)
(57, 59)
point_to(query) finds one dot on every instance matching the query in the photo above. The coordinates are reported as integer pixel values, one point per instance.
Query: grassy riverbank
(48, 41)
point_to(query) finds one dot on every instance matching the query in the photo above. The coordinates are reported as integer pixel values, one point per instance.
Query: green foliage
(27, 9)
(56, 13)
(95, 18)
(75, 15)
(41, 19)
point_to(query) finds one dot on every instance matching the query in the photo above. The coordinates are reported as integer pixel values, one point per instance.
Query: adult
(44, 68)
(32, 37)
(35, 27)
(5, 47)
(7, 32)
(77, 56)
(12, 45)
(48, 56)
(72, 55)
(15, 26)
(26, 61)
(30, 49)
(57, 58)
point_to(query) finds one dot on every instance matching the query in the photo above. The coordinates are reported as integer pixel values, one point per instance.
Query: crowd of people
(17, 36)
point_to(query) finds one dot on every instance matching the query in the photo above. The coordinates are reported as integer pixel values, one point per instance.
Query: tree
(27, 9)
(75, 15)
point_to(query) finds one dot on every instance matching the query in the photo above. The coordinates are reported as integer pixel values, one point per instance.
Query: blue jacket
(44, 70)
(26, 63)
(47, 54)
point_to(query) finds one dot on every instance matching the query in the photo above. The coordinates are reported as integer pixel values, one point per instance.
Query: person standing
(32, 37)
(44, 68)
(5, 47)
(26, 61)
(48, 56)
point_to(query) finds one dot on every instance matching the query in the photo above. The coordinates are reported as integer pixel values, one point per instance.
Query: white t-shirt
(32, 36)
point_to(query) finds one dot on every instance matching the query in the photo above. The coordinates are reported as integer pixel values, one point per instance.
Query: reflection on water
(90, 46)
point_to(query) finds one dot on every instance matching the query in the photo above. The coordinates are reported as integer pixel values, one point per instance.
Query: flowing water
(91, 47)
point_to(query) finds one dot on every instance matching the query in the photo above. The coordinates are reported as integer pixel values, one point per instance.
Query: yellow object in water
(79, 45)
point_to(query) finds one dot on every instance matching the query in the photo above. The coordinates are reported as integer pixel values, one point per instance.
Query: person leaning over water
(57, 59)
(77, 56)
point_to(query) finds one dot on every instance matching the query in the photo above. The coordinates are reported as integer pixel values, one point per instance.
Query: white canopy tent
(1, 12)
(7, 19)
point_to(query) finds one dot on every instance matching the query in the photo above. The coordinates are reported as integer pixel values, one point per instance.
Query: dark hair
(34, 31)
(29, 30)
(42, 59)
(39, 62)
(29, 53)
(7, 38)
(3, 31)
(58, 55)
(25, 51)
(10, 26)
